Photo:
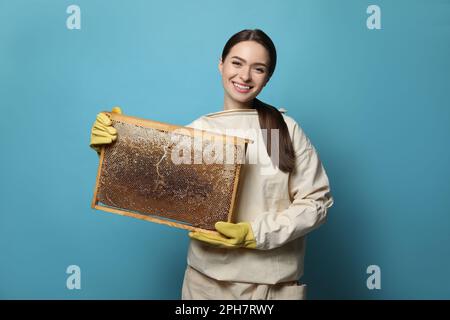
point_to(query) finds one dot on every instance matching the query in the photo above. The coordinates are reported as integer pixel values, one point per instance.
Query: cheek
(261, 80)
(227, 72)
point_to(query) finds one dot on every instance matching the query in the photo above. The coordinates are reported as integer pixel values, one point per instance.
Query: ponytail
(271, 118)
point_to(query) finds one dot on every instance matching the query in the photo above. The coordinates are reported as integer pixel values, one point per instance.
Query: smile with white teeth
(241, 87)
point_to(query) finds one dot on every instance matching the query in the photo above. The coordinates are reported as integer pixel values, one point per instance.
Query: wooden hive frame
(168, 128)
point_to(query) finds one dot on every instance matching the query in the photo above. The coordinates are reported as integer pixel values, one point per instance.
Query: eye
(237, 63)
(260, 70)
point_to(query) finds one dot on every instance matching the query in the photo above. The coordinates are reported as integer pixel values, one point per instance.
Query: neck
(229, 104)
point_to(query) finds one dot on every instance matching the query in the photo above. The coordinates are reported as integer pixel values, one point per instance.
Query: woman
(261, 256)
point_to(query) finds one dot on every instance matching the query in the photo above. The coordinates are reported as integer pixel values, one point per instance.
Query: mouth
(241, 88)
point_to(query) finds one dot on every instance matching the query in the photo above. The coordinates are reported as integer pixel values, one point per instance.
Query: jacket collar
(237, 111)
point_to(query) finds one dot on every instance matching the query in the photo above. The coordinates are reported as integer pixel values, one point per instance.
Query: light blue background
(375, 103)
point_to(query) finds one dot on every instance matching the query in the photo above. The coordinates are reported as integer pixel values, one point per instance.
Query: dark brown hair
(269, 116)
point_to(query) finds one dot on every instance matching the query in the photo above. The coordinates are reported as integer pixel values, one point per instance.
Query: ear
(220, 65)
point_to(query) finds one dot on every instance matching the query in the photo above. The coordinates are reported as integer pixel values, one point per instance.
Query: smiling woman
(275, 211)
(260, 256)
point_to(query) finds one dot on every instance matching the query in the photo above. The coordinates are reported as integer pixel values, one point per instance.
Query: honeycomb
(138, 175)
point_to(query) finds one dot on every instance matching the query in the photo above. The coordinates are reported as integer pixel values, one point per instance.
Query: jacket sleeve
(196, 124)
(309, 191)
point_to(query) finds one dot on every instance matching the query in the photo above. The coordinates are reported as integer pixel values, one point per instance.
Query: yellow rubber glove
(232, 235)
(102, 131)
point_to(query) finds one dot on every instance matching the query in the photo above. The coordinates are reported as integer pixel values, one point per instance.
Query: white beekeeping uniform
(282, 208)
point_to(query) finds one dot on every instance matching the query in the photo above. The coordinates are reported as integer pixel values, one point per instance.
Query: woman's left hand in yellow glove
(231, 235)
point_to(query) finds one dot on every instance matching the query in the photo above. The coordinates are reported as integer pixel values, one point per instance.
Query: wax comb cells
(137, 175)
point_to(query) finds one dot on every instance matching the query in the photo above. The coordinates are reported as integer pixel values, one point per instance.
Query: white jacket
(282, 208)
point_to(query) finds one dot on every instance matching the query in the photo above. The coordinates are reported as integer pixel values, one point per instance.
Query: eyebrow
(258, 63)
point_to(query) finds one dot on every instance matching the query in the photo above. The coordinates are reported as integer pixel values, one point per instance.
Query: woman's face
(244, 73)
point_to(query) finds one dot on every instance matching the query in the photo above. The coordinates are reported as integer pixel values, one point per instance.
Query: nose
(245, 74)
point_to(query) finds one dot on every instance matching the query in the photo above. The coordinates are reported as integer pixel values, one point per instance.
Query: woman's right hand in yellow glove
(102, 131)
